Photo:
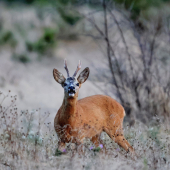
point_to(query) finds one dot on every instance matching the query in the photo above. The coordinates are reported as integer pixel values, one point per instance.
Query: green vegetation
(21, 1)
(69, 16)
(47, 41)
(7, 37)
(22, 58)
(137, 6)
(58, 152)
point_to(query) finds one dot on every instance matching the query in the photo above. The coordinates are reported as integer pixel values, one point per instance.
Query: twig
(123, 39)
(108, 51)
(153, 44)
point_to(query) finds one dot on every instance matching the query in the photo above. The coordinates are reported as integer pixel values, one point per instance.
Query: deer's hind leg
(116, 134)
(121, 141)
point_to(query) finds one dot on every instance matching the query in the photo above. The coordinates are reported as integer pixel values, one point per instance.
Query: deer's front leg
(61, 146)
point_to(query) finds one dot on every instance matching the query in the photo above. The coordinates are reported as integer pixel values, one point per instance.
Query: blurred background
(126, 45)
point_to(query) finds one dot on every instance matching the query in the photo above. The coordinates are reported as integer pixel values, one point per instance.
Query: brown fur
(88, 118)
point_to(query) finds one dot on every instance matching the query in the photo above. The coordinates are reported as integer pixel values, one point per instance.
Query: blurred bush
(69, 16)
(47, 41)
(135, 6)
(34, 38)
(20, 1)
(7, 37)
(21, 57)
(140, 5)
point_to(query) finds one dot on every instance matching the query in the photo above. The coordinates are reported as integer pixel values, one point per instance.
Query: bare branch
(123, 39)
(109, 50)
(153, 42)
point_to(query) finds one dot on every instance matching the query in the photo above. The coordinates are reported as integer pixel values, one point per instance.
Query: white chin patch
(71, 94)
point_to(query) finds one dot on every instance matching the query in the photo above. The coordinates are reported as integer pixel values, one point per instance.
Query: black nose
(71, 88)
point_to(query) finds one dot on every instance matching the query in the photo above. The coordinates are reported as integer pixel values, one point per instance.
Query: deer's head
(72, 84)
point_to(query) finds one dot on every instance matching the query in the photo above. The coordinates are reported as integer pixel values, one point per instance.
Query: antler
(65, 66)
(78, 68)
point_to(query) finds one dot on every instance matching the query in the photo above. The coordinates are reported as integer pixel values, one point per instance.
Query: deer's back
(100, 106)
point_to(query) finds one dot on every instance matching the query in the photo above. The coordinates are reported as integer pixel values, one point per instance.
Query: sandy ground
(34, 84)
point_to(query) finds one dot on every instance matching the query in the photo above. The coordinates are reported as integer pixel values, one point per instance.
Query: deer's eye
(65, 84)
(77, 84)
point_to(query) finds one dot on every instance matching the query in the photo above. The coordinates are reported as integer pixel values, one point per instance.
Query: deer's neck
(69, 106)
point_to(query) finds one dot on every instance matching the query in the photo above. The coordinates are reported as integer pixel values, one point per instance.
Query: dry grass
(28, 141)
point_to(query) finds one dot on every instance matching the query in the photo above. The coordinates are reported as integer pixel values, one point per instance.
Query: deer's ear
(83, 75)
(58, 76)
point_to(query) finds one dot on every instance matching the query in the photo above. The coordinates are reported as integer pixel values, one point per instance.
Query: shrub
(7, 37)
(47, 41)
(21, 57)
(136, 6)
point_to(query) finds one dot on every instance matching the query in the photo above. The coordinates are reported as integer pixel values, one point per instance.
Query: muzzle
(71, 91)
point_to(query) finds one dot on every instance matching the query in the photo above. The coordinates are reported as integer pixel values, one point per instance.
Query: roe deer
(88, 117)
